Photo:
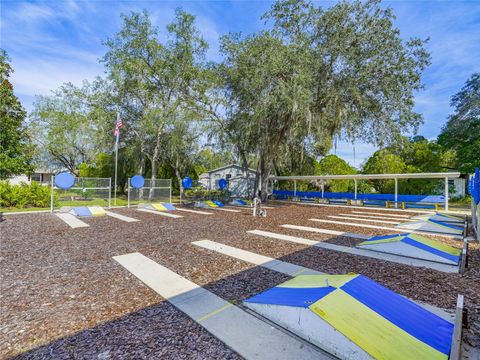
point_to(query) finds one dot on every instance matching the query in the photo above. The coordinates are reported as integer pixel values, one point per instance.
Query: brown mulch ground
(62, 296)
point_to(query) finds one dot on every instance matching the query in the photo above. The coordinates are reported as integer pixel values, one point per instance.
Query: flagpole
(116, 162)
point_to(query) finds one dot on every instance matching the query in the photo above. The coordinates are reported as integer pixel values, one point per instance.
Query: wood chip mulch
(64, 297)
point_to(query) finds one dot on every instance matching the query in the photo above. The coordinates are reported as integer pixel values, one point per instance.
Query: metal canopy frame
(356, 177)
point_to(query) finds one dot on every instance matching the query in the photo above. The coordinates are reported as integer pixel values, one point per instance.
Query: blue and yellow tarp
(447, 218)
(378, 320)
(421, 242)
(87, 211)
(163, 206)
(211, 203)
(433, 225)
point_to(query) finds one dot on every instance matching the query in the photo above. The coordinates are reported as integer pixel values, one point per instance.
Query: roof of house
(228, 166)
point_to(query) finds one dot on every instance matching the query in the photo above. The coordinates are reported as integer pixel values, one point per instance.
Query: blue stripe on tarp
(301, 297)
(446, 224)
(218, 203)
(431, 250)
(82, 211)
(410, 317)
(384, 237)
(169, 206)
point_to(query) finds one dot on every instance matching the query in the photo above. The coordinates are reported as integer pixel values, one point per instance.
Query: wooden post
(455, 351)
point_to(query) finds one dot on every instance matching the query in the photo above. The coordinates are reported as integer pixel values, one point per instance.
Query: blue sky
(52, 42)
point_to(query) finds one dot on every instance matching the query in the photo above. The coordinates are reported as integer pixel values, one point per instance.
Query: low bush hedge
(24, 195)
(199, 193)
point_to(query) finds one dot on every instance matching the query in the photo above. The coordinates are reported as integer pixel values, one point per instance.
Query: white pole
(294, 189)
(117, 139)
(355, 181)
(51, 195)
(128, 193)
(396, 193)
(446, 193)
(323, 189)
(109, 193)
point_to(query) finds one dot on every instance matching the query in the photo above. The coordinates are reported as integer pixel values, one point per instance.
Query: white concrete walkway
(246, 334)
(121, 217)
(360, 252)
(395, 230)
(72, 220)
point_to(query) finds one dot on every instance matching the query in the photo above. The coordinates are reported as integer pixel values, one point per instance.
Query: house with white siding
(237, 182)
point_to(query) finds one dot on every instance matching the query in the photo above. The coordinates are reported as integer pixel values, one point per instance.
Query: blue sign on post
(222, 184)
(64, 180)
(187, 182)
(137, 181)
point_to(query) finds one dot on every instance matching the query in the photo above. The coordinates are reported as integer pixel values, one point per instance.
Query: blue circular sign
(222, 184)
(187, 182)
(137, 181)
(64, 180)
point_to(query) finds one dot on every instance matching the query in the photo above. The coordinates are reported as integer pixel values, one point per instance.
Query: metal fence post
(110, 193)
(128, 193)
(51, 195)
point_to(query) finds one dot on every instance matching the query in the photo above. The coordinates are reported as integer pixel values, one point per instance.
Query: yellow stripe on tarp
(159, 207)
(382, 241)
(373, 333)
(317, 281)
(97, 210)
(436, 244)
(211, 204)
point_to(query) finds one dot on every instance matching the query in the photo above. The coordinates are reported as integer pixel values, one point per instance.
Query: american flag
(118, 125)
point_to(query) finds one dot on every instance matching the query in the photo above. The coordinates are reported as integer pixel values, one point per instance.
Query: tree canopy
(16, 150)
(462, 131)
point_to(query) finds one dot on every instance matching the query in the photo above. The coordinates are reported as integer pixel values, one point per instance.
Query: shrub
(24, 195)
(199, 193)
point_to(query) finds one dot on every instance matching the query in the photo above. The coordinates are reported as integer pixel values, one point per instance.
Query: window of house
(36, 177)
(228, 176)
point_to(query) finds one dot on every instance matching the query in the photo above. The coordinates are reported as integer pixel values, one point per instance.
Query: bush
(24, 195)
(199, 193)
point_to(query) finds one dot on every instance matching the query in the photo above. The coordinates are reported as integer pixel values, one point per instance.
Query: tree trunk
(179, 177)
(156, 154)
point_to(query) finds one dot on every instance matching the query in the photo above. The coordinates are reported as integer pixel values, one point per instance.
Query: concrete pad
(287, 268)
(380, 214)
(166, 214)
(72, 220)
(431, 227)
(228, 210)
(368, 220)
(395, 230)
(246, 334)
(359, 252)
(121, 217)
(311, 327)
(360, 207)
(256, 259)
(194, 211)
(326, 231)
(403, 249)
(384, 217)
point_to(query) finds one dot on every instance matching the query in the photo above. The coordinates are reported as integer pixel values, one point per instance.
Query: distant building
(237, 183)
(41, 176)
(457, 187)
